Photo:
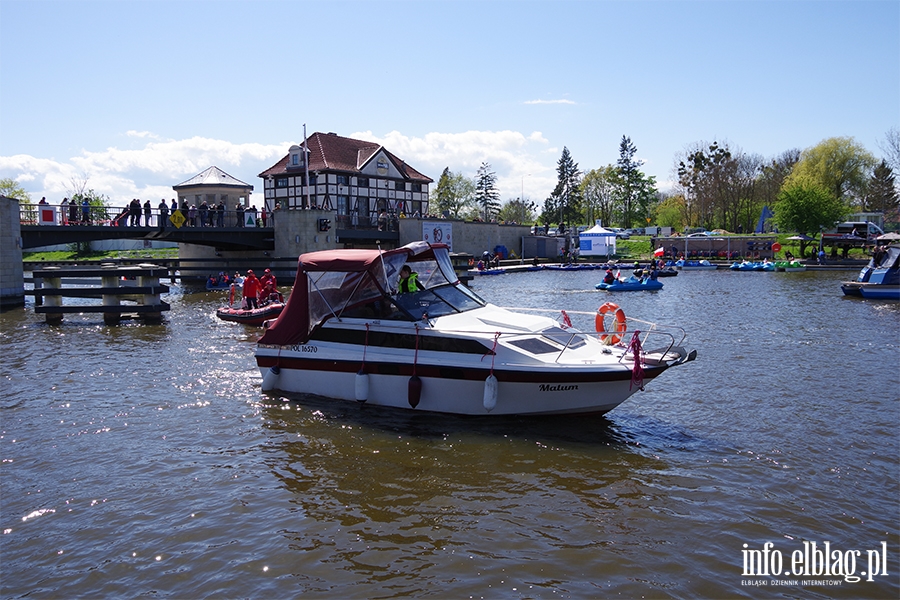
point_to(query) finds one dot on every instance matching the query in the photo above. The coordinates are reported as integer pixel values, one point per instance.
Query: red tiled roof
(330, 152)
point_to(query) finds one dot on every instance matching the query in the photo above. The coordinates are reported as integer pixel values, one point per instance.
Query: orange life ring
(619, 319)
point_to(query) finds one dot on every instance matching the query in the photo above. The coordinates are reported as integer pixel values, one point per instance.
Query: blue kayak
(630, 285)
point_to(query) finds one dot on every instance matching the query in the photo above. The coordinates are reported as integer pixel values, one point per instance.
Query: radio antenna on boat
(384, 268)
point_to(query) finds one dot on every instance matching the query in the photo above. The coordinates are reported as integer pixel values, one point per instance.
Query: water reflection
(157, 442)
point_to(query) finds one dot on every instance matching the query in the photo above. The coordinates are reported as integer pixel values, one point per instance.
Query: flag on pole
(659, 251)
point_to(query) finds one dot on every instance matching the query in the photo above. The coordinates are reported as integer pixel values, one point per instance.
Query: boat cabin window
(438, 302)
(564, 338)
(534, 346)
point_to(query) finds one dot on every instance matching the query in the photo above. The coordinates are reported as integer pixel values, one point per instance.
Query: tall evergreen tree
(565, 202)
(630, 175)
(882, 195)
(486, 195)
(637, 192)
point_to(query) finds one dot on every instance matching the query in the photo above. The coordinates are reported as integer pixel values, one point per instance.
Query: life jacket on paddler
(410, 283)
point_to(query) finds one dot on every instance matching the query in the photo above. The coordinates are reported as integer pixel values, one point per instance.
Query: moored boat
(347, 334)
(494, 271)
(880, 292)
(250, 316)
(752, 266)
(630, 285)
(223, 281)
(695, 265)
(789, 266)
(882, 271)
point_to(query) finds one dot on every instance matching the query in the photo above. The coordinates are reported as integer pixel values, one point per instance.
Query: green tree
(517, 210)
(718, 185)
(882, 193)
(453, 194)
(486, 195)
(564, 203)
(838, 164)
(806, 206)
(600, 188)
(636, 192)
(11, 189)
(99, 204)
(670, 212)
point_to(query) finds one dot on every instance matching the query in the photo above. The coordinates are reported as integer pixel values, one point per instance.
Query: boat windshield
(438, 301)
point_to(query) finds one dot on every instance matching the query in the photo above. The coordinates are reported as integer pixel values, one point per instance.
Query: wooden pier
(139, 284)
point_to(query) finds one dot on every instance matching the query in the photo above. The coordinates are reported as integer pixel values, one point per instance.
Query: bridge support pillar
(53, 283)
(110, 281)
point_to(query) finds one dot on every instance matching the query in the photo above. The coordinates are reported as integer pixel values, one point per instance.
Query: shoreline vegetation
(636, 248)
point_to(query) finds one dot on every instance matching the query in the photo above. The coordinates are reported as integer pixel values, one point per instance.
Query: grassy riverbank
(59, 255)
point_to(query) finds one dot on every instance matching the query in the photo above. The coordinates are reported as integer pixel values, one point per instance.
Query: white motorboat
(694, 265)
(347, 334)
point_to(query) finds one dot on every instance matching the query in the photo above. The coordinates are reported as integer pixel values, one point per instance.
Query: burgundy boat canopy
(330, 281)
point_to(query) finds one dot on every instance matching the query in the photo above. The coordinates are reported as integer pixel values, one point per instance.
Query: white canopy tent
(597, 241)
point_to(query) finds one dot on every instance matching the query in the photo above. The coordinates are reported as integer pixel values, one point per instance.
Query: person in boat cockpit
(409, 281)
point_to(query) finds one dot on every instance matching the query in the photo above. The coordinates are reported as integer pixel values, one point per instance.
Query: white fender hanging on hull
(270, 379)
(490, 393)
(362, 386)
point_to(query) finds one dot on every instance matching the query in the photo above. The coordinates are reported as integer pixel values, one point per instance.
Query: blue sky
(134, 97)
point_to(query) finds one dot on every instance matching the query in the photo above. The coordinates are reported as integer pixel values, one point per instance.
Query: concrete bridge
(47, 225)
(226, 238)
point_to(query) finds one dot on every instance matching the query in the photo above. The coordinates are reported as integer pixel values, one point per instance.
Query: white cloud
(148, 172)
(520, 161)
(141, 134)
(517, 159)
(560, 101)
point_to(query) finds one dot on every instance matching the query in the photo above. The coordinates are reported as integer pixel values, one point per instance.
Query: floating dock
(138, 284)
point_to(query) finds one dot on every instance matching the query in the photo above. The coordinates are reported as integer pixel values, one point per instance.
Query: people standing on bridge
(163, 214)
(148, 212)
(239, 211)
(73, 212)
(134, 213)
(220, 214)
(251, 289)
(64, 212)
(192, 215)
(174, 207)
(252, 212)
(85, 212)
(202, 212)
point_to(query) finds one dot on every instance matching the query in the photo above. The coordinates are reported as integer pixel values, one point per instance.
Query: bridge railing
(113, 216)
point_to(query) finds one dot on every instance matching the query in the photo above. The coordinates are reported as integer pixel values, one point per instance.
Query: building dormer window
(343, 179)
(362, 181)
(296, 157)
(281, 182)
(416, 187)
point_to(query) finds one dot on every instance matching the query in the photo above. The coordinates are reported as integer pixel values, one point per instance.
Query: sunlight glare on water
(144, 460)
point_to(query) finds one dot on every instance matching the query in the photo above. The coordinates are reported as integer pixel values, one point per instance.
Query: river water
(145, 461)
